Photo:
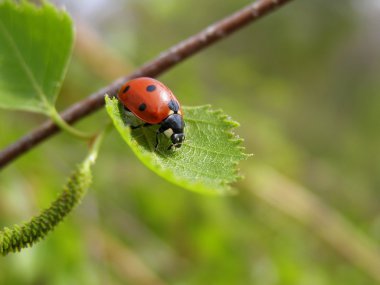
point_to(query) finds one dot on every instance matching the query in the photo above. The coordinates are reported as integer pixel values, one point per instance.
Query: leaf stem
(57, 119)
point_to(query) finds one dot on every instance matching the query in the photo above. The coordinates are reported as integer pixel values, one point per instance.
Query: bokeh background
(304, 84)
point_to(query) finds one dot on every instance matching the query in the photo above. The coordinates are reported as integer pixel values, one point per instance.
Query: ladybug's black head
(177, 139)
(173, 127)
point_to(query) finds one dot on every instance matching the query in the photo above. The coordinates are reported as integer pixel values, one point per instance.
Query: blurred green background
(303, 82)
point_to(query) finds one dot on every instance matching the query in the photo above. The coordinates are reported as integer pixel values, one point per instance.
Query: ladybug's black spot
(142, 107)
(151, 88)
(173, 105)
(126, 88)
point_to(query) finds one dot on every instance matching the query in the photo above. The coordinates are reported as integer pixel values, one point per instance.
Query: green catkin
(17, 237)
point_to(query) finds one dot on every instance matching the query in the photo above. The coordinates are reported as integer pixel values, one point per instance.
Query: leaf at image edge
(35, 47)
(206, 162)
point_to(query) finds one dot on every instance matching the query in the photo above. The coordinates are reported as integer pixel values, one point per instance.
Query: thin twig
(161, 64)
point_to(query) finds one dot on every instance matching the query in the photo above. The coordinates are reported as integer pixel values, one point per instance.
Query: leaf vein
(23, 63)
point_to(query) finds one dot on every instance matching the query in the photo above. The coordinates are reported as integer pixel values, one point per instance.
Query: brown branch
(161, 64)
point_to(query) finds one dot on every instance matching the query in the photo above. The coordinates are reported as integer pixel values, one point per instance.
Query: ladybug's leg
(162, 129)
(157, 134)
(142, 125)
(138, 126)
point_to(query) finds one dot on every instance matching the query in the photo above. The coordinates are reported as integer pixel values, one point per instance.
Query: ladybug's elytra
(154, 103)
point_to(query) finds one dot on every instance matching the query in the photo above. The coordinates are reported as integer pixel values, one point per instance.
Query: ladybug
(154, 103)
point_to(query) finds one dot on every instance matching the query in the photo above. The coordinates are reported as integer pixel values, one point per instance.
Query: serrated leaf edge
(234, 138)
(152, 164)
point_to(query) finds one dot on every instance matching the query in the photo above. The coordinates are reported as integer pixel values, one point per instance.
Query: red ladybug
(154, 103)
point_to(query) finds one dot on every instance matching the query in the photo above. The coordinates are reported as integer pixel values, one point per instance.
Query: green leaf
(21, 236)
(207, 160)
(35, 47)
